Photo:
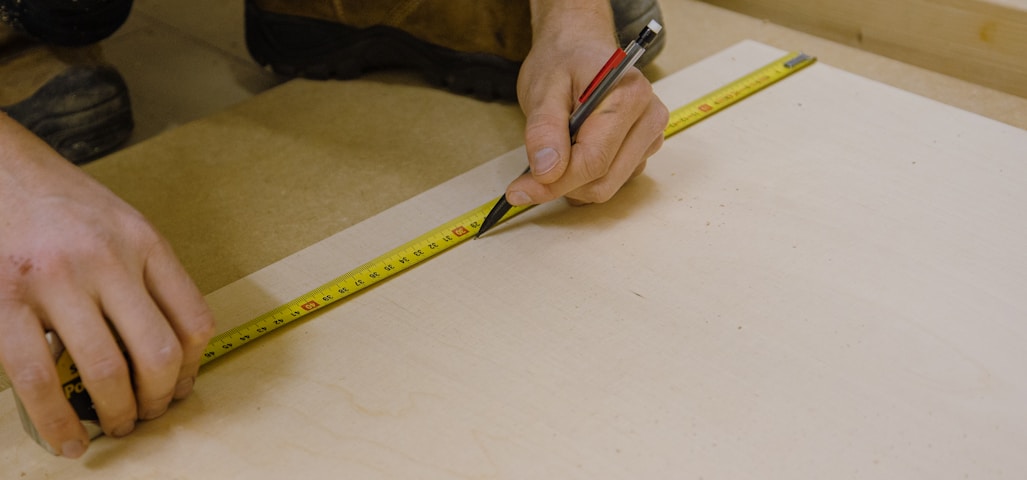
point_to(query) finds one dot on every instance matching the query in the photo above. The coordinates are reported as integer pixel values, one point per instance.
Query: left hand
(614, 141)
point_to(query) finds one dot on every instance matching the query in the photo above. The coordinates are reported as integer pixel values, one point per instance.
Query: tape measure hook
(798, 60)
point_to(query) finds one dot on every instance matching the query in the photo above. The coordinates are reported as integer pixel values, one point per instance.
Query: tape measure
(440, 239)
(733, 92)
(460, 229)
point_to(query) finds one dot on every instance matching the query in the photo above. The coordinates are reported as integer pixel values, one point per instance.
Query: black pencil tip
(485, 226)
(494, 216)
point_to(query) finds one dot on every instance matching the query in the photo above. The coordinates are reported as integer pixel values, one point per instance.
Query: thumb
(547, 139)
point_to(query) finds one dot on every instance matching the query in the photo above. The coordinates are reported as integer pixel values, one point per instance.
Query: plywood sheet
(825, 281)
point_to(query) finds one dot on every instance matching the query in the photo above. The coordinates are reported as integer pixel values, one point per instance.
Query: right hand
(572, 40)
(77, 260)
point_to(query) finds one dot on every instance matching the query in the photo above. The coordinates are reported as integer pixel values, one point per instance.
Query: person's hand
(77, 260)
(569, 48)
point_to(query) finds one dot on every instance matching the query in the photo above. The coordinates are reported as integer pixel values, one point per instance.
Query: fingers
(149, 340)
(157, 338)
(75, 316)
(26, 357)
(164, 323)
(611, 147)
(185, 309)
(628, 164)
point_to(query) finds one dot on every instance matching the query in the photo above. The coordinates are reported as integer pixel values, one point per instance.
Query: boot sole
(84, 113)
(318, 49)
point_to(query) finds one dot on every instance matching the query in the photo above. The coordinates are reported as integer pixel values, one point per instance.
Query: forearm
(25, 159)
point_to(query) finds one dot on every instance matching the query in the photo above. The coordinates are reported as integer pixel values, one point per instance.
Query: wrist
(28, 164)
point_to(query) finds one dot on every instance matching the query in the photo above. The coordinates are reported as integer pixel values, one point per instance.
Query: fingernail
(73, 449)
(184, 387)
(123, 430)
(545, 160)
(518, 198)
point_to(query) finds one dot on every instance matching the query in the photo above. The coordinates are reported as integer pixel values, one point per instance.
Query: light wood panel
(825, 281)
(978, 40)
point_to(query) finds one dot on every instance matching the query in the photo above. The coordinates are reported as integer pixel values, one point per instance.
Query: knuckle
(596, 168)
(654, 147)
(639, 169)
(540, 127)
(155, 405)
(636, 86)
(194, 330)
(109, 244)
(660, 117)
(33, 380)
(153, 242)
(202, 330)
(55, 424)
(600, 193)
(157, 360)
(594, 163)
(104, 367)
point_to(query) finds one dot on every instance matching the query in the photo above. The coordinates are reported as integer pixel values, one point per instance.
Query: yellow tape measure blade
(734, 92)
(401, 258)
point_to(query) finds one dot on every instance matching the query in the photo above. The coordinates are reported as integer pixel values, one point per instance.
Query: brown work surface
(825, 281)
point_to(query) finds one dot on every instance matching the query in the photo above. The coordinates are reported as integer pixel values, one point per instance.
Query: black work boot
(67, 97)
(469, 46)
(66, 22)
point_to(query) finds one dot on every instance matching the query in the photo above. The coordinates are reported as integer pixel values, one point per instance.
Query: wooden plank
(824, 281)
(977, 40)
